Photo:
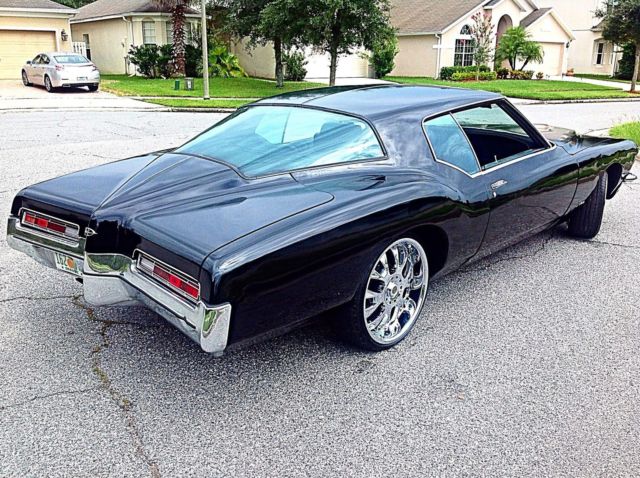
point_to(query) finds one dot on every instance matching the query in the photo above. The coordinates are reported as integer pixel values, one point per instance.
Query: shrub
(383, 56)
(223, 63)
(502, 73)
(521, 74)
(193, 60)
(165, 66)
(539, 75)
(625, 67)
(446, 72)
(153, 61)
(471, 76)
(294, 66)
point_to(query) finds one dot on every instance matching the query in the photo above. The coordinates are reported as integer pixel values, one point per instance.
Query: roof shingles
(429, 16)
(36, 4)
(109, 8)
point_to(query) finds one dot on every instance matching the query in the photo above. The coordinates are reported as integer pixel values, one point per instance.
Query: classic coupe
(347, 199)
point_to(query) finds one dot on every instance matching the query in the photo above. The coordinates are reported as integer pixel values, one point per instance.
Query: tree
(75, 3)
(621, 25)
(178, 17)
(383, 55)
(281, 22)
(482, 35)
(337, 27)
(516, 44)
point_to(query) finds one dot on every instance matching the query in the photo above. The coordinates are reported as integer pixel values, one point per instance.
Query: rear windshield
(70, 59)
(264, 140)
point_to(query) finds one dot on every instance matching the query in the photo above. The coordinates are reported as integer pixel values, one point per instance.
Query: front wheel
(93, 88)
(390, 298)
(586, 220)
(25, 79)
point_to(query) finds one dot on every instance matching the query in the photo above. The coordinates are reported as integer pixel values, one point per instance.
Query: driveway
(15, 96)
(523, 364)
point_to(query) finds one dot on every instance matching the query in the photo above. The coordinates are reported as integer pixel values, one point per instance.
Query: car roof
(378, 101)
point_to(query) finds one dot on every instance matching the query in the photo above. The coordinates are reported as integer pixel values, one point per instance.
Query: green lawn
(591, 76)
(627, 131)
(528, 89)
(195, 103)
(219, 87)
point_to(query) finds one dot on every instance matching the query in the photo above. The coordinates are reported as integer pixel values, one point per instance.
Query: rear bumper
(112, 279)
(57, 81)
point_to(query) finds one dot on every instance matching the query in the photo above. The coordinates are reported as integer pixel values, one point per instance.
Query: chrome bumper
(113, 279)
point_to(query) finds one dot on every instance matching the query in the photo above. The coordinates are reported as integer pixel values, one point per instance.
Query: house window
(600, 53)
(463, 54)
(149, 33)
(169, 27)
(87, 43)
(466, 30)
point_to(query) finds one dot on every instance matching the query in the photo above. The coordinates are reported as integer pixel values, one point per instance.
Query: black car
(348, 199)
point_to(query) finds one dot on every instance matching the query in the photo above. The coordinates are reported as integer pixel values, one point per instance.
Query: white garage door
(18, 46)
(553, 56)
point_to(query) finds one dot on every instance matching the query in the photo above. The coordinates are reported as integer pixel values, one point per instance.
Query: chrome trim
(70, 239)
(138, 255)
(113, 279)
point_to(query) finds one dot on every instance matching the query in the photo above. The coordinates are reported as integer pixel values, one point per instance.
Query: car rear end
(73, 70)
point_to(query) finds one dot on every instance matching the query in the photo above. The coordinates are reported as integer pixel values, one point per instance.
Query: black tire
(586, 220)
(93, 88)
(25, 79)
(350, 322)
(47, 85)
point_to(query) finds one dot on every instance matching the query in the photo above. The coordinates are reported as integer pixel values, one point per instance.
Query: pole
(205, 51)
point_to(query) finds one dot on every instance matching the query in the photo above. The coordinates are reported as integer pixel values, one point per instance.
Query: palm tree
(178, 9)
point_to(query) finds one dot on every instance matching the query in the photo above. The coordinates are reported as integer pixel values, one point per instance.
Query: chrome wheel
(395, 291)
(47, 84)
(25, 79)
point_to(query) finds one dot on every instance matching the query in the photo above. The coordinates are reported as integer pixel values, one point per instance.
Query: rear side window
(490, 117)
(450, 145)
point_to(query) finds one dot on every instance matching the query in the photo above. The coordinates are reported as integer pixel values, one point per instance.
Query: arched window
(464, 49)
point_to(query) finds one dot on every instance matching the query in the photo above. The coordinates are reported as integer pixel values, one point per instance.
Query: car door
(45, 65)
(531, 182)
(32, 70)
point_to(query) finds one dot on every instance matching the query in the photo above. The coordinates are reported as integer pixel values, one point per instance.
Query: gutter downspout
(438, 57)
(130, 38)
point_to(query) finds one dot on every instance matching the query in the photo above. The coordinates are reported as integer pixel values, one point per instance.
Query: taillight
(50, 224)
(169, 277)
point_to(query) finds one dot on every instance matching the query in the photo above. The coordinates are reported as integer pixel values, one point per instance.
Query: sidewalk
(612, 84)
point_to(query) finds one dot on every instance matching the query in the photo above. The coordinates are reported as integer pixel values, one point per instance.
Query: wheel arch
(614, 177)
(435, 242)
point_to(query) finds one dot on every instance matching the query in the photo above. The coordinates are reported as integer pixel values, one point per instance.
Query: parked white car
(61, 69)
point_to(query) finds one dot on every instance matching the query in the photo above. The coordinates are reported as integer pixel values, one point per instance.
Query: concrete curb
(521, 101)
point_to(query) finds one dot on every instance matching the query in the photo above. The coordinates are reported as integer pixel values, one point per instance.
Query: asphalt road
(523, 364)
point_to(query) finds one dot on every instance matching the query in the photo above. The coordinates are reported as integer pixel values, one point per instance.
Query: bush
(625, 67)
(521, 74)
(223, 63)
(193, 60)
(446, 72)
(383, 56)
(539, 75)
(471, 76)
(294, 66)
(502, 73)
(153, 61)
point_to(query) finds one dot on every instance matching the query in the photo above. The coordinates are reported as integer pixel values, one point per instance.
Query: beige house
(589, 52)
(109, 28)
(437, 33)
(29, 27)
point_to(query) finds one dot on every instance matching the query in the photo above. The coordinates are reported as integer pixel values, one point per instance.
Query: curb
(522, 101)
(173, 109)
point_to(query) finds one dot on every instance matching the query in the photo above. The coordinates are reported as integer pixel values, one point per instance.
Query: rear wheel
(25, 79)
(93, 87)
(586, 220)
(389, 299)
(47, 84)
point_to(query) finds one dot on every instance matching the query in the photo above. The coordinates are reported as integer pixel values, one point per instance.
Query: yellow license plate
(68, 264)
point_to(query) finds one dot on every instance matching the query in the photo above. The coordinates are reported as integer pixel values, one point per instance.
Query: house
(437, 33)
(589, 52)
(29, 27)
(109, 28)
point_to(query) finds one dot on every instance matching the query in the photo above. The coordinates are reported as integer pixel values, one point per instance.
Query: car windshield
(264, 140)
(71, 59)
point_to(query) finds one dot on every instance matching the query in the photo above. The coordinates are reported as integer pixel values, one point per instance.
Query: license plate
(68, 264)
(82, 78)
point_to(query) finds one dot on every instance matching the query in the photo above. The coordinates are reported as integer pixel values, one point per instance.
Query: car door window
(496, 136)
(44, 59)
(36, 60)
(450, 145)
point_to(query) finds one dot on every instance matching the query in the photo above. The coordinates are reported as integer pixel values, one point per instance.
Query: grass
(219, 87)
(592, 76)
(528, 89)
(627, 131)
(194, 103)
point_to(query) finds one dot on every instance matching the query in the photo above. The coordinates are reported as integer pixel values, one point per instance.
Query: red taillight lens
(165, 275)
(50, 224)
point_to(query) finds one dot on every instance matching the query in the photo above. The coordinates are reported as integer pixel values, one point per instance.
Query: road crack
(123, 403)
(48, 395)
(54, 297)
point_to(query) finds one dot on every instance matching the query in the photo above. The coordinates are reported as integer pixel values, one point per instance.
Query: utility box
(188, 84)
(176, 85)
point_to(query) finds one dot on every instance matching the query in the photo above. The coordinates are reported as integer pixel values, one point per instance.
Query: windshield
(264, 140)
(71, 59)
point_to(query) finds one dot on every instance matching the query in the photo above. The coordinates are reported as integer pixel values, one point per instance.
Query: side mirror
(28, 62)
